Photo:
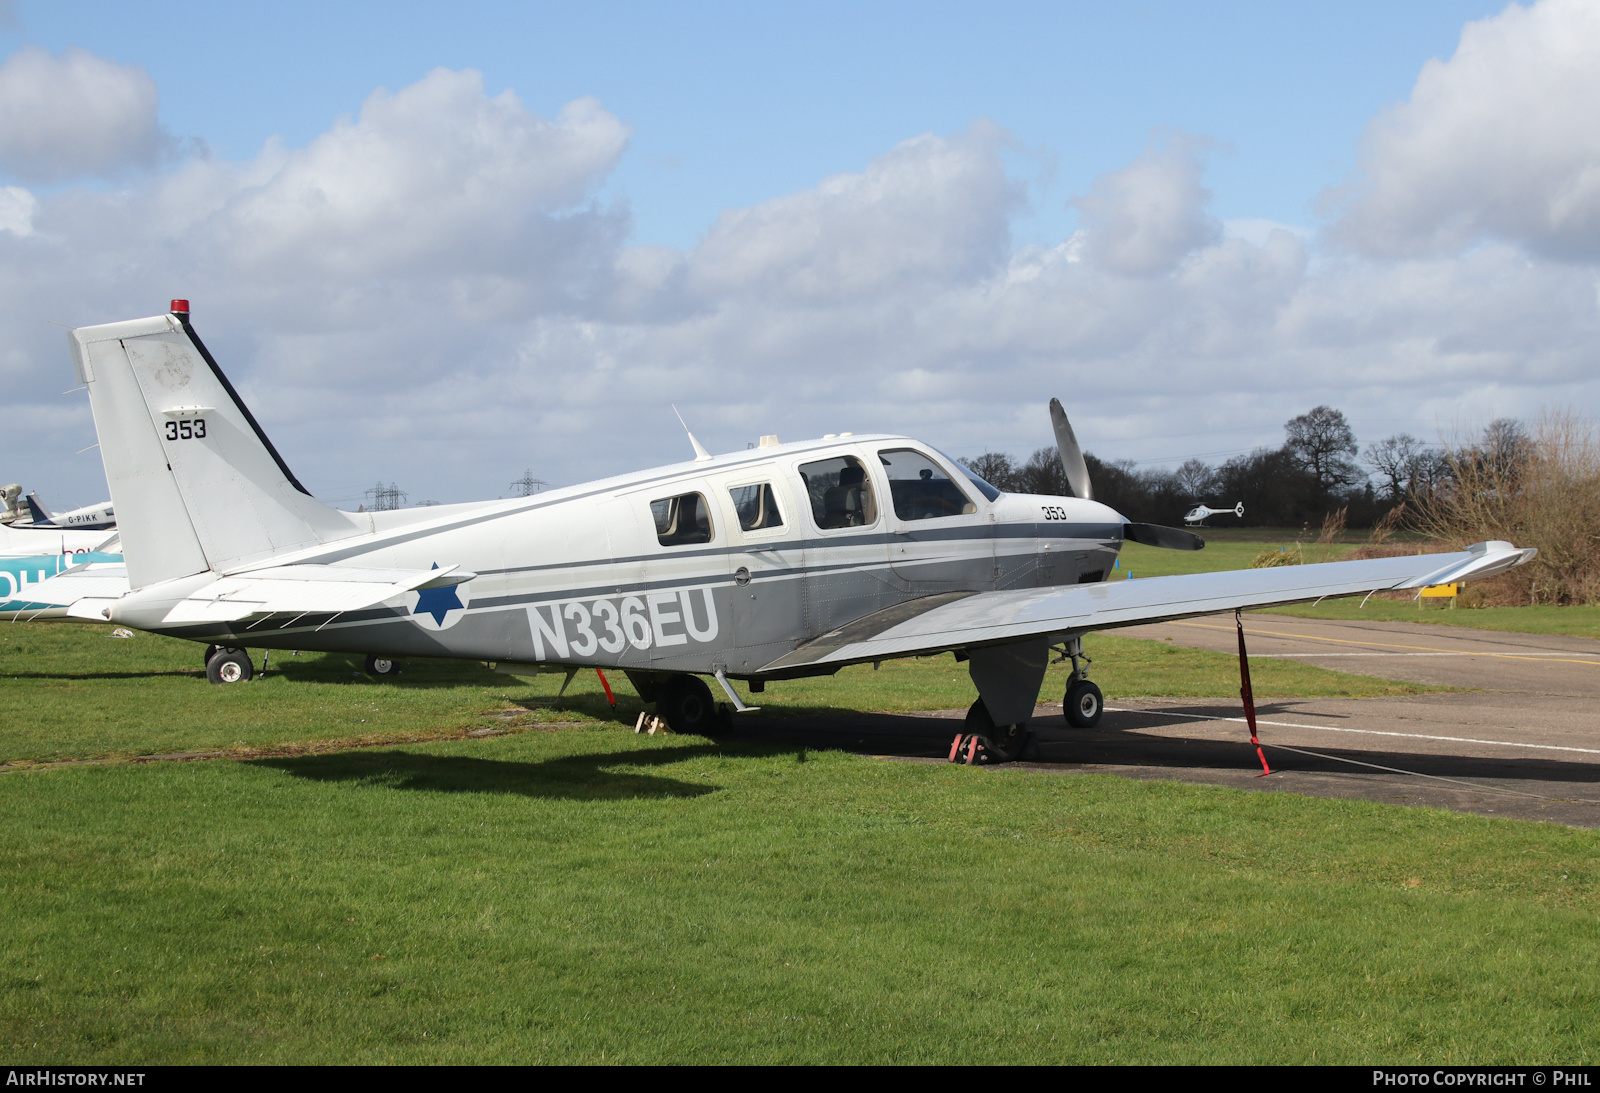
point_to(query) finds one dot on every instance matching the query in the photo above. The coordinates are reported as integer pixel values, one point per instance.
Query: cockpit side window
(757, 507)
(682, 520)
(920, 487)
(840, 492)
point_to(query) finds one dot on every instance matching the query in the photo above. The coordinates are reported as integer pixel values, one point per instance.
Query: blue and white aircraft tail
(87, 518)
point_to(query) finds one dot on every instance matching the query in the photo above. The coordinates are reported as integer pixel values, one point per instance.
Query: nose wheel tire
(686, 706)
(1004, 743)
(230, 666)
(1083, 704)
(382, 667)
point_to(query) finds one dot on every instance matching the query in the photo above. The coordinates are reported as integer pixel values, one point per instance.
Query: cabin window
(840, 492)
(757, 507)
(921, 489)
(682, 520)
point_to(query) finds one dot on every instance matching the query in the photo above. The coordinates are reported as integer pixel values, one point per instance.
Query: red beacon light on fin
(180, 307)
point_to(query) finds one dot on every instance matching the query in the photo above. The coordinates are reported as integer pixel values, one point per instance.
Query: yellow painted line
(1389, 645)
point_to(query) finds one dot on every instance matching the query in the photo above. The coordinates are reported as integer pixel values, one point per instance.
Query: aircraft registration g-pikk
(771, 563)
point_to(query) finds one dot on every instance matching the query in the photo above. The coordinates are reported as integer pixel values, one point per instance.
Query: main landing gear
(985, 742)
(382, 667)
(225, 664)
(684, 702)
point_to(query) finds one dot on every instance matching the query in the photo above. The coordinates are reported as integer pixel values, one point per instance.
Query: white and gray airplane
(777, 562)
(1197, 515)
(89, 517)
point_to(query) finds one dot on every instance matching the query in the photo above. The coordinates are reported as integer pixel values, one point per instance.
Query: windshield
(984, 488)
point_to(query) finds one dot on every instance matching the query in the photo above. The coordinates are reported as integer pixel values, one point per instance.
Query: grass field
(592, 896)
(71, 691)
(566, 891)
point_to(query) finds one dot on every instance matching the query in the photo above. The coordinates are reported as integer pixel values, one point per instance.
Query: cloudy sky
(442, 244)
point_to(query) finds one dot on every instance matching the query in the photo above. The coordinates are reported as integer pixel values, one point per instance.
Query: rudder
(195, 482)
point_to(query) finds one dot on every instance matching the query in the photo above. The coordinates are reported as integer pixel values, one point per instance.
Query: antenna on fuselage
(700, 453)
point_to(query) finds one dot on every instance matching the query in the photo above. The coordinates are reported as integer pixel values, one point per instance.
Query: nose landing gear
(1083, 703)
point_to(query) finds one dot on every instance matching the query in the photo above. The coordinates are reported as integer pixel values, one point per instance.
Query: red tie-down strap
(1246, 694)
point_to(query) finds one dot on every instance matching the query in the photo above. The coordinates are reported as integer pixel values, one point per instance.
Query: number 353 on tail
(772, 563)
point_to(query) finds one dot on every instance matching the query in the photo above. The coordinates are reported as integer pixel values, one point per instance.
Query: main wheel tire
(1004, 743)
(230, 666)
(213, 650)
(686, 706)
(382, 667)
(1083, 704)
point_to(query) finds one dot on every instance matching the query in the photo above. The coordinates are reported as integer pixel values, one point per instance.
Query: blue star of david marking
(438, 602)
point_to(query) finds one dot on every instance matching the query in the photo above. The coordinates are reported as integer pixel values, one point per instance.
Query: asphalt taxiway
(1523, 743)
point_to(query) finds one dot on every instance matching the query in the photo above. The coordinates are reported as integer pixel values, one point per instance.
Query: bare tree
(1395, 458)
(1538, 489)
(994, 468)
(1196, 480)
(1430, 470)
(1321, 441)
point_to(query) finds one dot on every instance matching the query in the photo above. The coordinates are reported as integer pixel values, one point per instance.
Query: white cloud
(1498, 142)
(1146, 217)
(436, 173)
(17, 207)
(73, 114)
(931, 210)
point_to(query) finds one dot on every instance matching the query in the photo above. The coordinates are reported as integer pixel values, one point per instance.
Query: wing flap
(988, 618)
(304, 590)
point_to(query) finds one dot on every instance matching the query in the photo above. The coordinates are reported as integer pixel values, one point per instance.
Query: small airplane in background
(1196, 517)
(47, 566)
(87, 518)
(762, 565)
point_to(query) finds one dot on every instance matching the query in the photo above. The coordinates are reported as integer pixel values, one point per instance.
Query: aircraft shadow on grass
(573, 777)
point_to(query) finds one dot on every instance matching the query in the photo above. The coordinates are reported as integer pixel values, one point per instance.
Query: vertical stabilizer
(36, 509)
(195, 482)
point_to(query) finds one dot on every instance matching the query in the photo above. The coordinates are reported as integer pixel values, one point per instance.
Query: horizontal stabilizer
(303, 590)
(993, 618)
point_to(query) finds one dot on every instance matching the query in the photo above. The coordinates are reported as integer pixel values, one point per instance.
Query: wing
(961, 620)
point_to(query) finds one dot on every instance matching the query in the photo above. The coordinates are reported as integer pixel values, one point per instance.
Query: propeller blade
(1071, 455)
(1158, 536)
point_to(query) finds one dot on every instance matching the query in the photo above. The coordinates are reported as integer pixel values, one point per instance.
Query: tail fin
(37, 511)
(195, 482)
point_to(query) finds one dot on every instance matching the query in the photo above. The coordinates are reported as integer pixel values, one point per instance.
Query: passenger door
(766, 555)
